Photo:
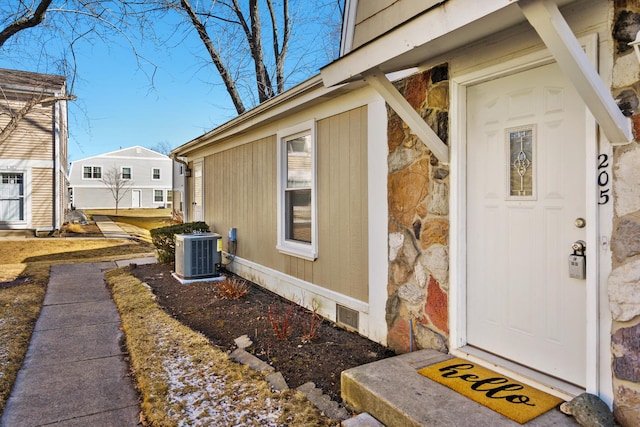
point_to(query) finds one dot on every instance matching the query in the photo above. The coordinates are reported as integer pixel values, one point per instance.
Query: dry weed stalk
(311, 331)
(232, 288)
(282, 320)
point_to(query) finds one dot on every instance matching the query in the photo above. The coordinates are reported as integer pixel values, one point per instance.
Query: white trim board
(302, 292)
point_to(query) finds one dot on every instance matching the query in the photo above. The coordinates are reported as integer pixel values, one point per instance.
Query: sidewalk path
(109, 229)
(74, 373)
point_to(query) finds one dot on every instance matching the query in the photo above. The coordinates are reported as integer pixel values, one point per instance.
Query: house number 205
(603, 179)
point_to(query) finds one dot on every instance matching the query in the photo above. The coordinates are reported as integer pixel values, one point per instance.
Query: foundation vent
(347, 317)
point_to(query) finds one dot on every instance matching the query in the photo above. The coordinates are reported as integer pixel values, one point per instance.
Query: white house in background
(180, 173)
(148, 174)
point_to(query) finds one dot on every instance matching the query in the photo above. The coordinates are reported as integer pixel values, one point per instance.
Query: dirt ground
(320, 360)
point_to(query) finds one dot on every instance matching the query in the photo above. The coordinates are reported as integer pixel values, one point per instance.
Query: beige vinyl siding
(376, 17)
(241, 191)
(42, 197)
(33, 138)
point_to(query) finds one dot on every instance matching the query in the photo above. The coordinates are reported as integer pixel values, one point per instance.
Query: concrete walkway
(109, 229)
(74, 373)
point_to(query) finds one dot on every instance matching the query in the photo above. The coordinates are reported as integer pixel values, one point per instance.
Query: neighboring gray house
(148, 177)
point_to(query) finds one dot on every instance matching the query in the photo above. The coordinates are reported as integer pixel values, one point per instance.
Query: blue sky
(119, 106)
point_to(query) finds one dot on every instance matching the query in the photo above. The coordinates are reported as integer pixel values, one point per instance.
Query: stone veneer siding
(624, 281)
(418, 196)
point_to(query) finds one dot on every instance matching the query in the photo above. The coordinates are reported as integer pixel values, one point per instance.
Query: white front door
(135, 198)
(525, 191)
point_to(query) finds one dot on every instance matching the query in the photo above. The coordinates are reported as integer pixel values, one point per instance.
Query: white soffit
(425, 36)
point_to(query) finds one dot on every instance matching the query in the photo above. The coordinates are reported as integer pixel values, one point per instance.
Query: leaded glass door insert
(522, 164)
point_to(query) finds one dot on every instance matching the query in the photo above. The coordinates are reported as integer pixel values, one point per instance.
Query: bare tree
(237, 35)
(162, 147)
(258, 47)
(117, 185)
(47, 32)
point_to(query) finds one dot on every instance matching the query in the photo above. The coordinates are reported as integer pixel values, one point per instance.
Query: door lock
(578, 260)
(579, 246)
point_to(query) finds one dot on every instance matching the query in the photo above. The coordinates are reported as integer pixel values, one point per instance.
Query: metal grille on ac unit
(197, 255)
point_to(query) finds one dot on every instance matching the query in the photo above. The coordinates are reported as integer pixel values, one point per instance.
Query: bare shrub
(232, 288)
(283, 319)
(310, 327)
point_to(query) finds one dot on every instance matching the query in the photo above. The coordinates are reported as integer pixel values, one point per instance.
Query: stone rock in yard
(277, 381)
(243, 342)
(589, 411)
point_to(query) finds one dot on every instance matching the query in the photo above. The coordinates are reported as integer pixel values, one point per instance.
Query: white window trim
(308, 251)
(92, 170)
(122, 172)
(153, 196)
(159, 174)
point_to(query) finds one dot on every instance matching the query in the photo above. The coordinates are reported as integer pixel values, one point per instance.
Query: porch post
(376, 79)
(546, 19)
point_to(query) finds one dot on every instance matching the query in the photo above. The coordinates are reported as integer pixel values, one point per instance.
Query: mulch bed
(222, 320)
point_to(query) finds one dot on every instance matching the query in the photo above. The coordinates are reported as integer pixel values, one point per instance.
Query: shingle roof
(26, 79)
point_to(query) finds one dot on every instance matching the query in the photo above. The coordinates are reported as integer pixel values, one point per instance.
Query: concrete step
(393, 392)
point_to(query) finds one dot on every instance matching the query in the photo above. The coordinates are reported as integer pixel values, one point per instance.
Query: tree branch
(28, 21)
(215, 57)
(280, 53)
(16, 118)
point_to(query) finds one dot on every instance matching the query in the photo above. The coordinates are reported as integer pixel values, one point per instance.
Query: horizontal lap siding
(376, 17)
(240, 187)
(33, 138)
(42, 197)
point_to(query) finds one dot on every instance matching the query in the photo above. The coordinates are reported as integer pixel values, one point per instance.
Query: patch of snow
(201, 397)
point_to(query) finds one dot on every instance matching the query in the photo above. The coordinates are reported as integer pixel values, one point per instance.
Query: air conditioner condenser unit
(197, 255)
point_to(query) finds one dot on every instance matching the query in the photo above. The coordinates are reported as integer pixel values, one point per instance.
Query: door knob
(579, 246)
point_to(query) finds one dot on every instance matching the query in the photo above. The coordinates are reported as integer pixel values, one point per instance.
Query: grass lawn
(185, 380)
(136, 222)
(24, 274)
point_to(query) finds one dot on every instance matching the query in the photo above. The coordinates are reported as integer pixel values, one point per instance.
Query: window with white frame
(158, 196)
(155, 173)
(126, 173)
(297, 214)
(91, 172)
(12, 197)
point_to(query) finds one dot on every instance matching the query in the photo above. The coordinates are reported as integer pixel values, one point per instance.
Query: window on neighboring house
(169, 196)
(155, 174)
(158, 196)
(92, 172)
(126, 173)
(297, 219)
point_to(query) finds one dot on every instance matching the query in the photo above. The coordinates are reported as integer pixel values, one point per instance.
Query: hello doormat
(514, 400)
